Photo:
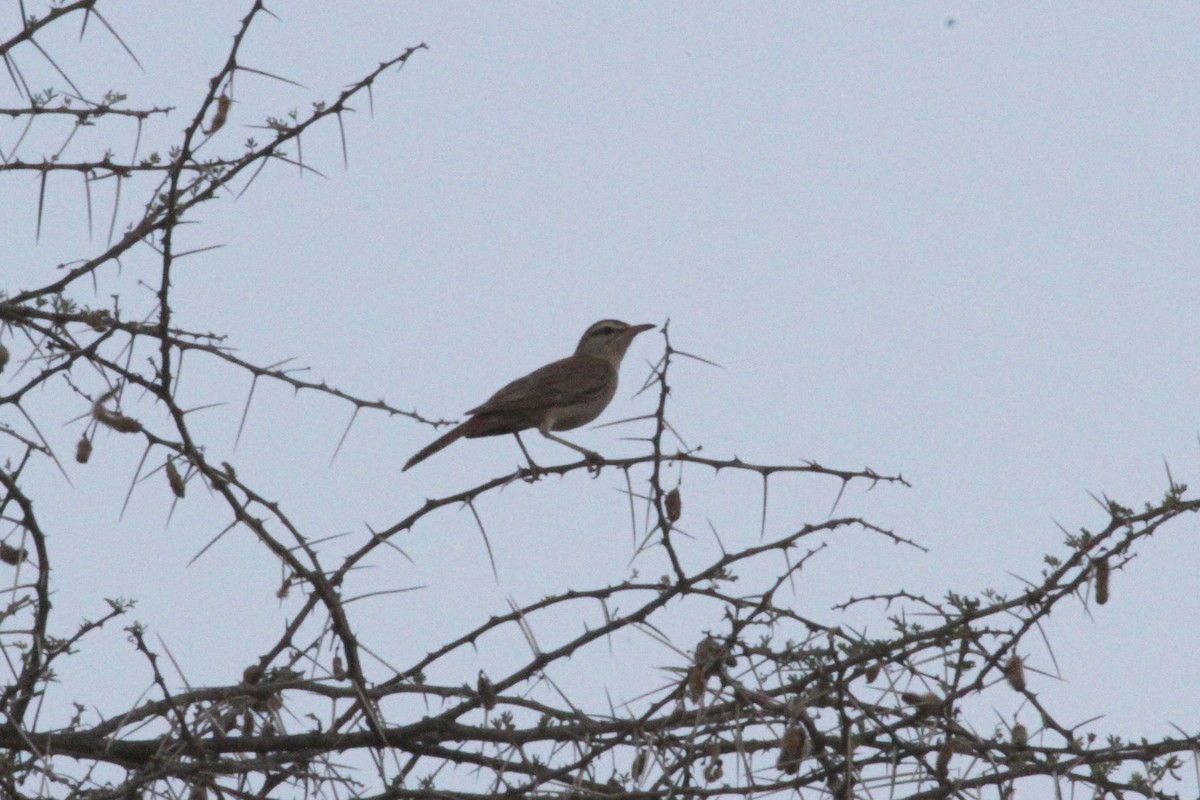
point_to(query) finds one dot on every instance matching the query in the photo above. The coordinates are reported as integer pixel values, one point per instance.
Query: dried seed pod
(274, 702)
(793, 745)
(113, 419)
(123, 424)
(83, 449)
(639, 764)
(97, 320)
(252, 674)
(12, 555)
(117, 422)
(339, 671)
(268, 727)
(927, 702)
(959, 745)
(3, 357)
(871, 673)
(713, 771)
(708, 652)
(247, 724)
(711, 655)
(175, 480)
(218, 120)
(487, 692)
(284, 589)
(1014, 673)
(1101, 581)
(674, 505)
(694, 685)
(1020, 735)
(942, 766)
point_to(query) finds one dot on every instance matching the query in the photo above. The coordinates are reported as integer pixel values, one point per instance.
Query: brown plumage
(562, 395)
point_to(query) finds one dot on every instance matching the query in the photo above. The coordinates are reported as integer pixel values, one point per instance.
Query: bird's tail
(445, 440)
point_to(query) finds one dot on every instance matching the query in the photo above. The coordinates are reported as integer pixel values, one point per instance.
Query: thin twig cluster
(768, 699)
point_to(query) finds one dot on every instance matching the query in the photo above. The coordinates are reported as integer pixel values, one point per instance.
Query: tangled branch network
(715, 677)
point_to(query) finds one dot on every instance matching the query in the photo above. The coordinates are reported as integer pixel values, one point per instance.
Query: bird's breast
(564, 418)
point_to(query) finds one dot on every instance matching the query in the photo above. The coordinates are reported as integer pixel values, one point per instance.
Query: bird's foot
(532, 473)
(594, 461)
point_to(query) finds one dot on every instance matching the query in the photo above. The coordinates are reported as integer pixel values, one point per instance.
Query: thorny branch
(769, 699)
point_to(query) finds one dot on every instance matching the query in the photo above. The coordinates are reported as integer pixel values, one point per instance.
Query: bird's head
(609, 339)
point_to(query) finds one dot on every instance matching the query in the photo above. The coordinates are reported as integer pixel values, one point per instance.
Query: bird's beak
(634, 330)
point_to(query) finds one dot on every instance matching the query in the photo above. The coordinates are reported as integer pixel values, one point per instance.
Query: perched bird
(557, 397)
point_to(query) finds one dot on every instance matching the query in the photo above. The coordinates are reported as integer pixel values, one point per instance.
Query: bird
(560, 396)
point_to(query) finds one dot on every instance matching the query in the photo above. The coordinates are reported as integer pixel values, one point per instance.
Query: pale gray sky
(964, 252)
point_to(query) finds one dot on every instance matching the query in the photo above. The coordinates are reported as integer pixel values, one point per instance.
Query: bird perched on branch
(560, 396)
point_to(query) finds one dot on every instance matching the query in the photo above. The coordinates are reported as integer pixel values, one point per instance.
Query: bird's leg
(595, 460)
(535, 471)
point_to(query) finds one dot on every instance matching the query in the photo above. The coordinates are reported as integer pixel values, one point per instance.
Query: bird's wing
(568, 381)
